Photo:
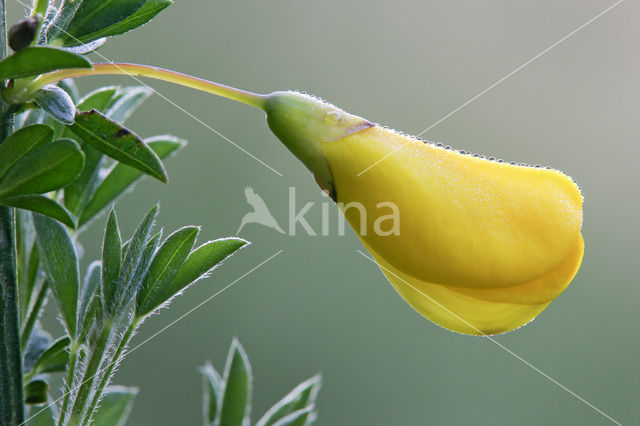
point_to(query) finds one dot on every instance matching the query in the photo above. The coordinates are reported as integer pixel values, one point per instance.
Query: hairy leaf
(21, 143)
(115, 407)
(300, 398)
(236, 400)
(117, 142)
(55, 358)
(61, 264)
(197, 265)
(90, 285)
(43, 205)
(164, 266)
(111, 261)
(212, 393)
(45, 169)
(38, 60)
(128, 18)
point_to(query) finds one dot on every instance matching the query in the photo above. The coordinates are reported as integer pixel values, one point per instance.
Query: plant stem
(104, 380)
(11, 392)
(68, 381)
(203, 85)
(88, 378)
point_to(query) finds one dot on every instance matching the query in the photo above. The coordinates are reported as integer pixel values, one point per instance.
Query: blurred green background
(320, 306)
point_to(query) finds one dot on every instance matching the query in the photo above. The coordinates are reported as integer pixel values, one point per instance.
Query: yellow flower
(482, 246)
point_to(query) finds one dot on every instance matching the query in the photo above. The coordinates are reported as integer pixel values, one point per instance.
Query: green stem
(11, 392)
(68, 381)
(88, 378)
(104, 380)
(27, 328)
(203, 85)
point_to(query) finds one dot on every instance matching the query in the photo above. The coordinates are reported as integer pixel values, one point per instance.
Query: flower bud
(23, 32)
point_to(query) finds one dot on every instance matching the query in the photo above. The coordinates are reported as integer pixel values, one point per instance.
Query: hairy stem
(88, 379)
(69, 379)
(104, 380)
(203, 85)
(11, 393)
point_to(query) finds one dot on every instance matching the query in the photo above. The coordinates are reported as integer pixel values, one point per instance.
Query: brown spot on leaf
(122, 132)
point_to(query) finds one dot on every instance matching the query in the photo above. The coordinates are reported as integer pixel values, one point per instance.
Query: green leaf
(42, 415)
(111, 261)
(22, 142)
(133, 258)
(56, 102)
(39, 60)
(129, 100)
(43, 205)
(301, 417)
(91, 283)
(99, 99)
(39, 342)
(61, 264)
(96, 29)
(115, 407)
(198, 264)
(164, 266)
(212, 393)
(55, 358)
(35, 392)
(44, 169)
(303, 396)
(118, 142)
(236, 400)
(121, 177)
(77, 194)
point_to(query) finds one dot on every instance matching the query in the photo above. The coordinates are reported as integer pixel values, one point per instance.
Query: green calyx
(303, 123)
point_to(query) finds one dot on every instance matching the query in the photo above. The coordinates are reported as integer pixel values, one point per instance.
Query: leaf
(45, 169)
(99, 99)
(78, 192)
(236, 399)
(38, 343)
(132, 259)
(35, 392)
(55, 358)
(212, 392)
(39, 60)
(131, 98)
(117, 142)
(198, 264)
(21, 143)
(43, 205)
(115, 407)
(91, 283)
(111, 260)
(61, 264)
(121, 177)
(303, 396)
(95, 15)
(301, 417)
(83, 49)
(142, 15)
(164, 266)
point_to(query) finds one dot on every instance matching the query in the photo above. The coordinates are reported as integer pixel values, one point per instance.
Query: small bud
(23, 32)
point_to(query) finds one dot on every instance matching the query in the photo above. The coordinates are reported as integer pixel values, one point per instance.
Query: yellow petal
(464, 221)
(464, 313)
